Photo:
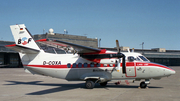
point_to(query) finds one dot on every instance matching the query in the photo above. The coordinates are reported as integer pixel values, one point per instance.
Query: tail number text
(51, 62)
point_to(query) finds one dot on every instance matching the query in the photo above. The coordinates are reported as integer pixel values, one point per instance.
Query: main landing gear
(103, 84)
(91, 83)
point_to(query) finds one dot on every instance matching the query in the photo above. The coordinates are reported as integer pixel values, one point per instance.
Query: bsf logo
(24, 40)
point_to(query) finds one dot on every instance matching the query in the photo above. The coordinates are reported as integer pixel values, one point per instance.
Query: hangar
(8, 58)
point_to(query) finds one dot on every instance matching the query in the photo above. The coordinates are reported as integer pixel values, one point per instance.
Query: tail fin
(25, 45)
(23, 37)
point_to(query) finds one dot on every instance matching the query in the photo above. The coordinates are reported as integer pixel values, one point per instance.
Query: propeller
(117, 45)
(120, 55)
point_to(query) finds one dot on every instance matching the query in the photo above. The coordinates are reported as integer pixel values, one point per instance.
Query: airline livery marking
(23, 40)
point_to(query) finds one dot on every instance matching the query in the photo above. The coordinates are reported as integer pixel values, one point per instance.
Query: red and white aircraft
(85, 63)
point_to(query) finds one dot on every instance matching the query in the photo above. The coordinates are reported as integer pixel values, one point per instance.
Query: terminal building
(10, 58)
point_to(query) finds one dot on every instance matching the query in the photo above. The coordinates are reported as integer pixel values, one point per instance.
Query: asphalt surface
(16, 85)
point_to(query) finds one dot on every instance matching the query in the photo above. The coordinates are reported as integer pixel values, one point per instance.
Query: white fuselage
(73, 67)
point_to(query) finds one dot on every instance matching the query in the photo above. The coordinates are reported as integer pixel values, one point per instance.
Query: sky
(154, 22)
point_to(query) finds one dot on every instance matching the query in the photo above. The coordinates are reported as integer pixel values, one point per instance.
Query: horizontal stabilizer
(22, 49)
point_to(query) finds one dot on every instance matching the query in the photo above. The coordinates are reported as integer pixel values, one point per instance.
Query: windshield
(143, 58)
(137, 59)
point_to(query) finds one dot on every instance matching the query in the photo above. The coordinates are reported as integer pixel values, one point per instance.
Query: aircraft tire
(103, 84)
(143, 85)
(90, 84)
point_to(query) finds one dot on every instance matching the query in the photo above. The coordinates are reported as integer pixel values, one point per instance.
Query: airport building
(80, 40)
(10, 58)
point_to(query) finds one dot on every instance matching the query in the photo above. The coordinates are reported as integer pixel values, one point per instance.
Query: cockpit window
(137, 59)
(131, 58)
(143, 58)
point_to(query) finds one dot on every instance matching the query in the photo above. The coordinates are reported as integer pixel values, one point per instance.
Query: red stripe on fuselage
(128, 64)
(48, 66)
(65, 66)
(152, 64)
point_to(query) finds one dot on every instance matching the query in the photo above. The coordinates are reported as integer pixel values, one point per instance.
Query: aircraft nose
(170, 72)
(173, 72)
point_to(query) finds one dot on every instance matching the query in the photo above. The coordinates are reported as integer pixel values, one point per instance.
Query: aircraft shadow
(61, 87)
(65, 87)
(125, 86)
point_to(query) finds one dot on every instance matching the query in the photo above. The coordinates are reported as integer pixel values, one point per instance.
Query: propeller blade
(120, 55)
(117, 45)
(124, 65)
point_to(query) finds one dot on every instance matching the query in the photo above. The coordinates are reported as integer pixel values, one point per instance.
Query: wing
(64, 45)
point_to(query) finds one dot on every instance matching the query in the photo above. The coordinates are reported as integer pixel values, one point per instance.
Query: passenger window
(98, 64)
(74, 65)
(79, 65)
(85, 64)
(69, 65)
(92, 65)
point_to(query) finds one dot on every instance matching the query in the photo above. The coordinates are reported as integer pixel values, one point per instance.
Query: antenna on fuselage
(132, 50)
(128, 50)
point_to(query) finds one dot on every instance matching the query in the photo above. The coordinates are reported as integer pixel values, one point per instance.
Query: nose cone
(173, 72)
(170, 71)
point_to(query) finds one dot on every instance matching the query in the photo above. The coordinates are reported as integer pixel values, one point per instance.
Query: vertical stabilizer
(23, 37)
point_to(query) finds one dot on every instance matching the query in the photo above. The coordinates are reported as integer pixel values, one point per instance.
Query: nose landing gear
(144, 84)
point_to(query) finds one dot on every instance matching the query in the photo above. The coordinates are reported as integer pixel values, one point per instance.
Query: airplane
(84, 63)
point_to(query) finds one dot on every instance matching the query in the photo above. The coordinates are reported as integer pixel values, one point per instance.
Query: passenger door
(130, 69)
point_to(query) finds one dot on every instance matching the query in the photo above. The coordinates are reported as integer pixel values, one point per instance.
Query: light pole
(99, 42)
(142, 47)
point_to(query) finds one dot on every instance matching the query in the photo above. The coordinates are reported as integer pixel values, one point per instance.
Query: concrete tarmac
(16, 85)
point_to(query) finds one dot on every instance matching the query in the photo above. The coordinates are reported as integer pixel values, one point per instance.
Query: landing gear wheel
(103, 84)
(143, 85)
(90, 84)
